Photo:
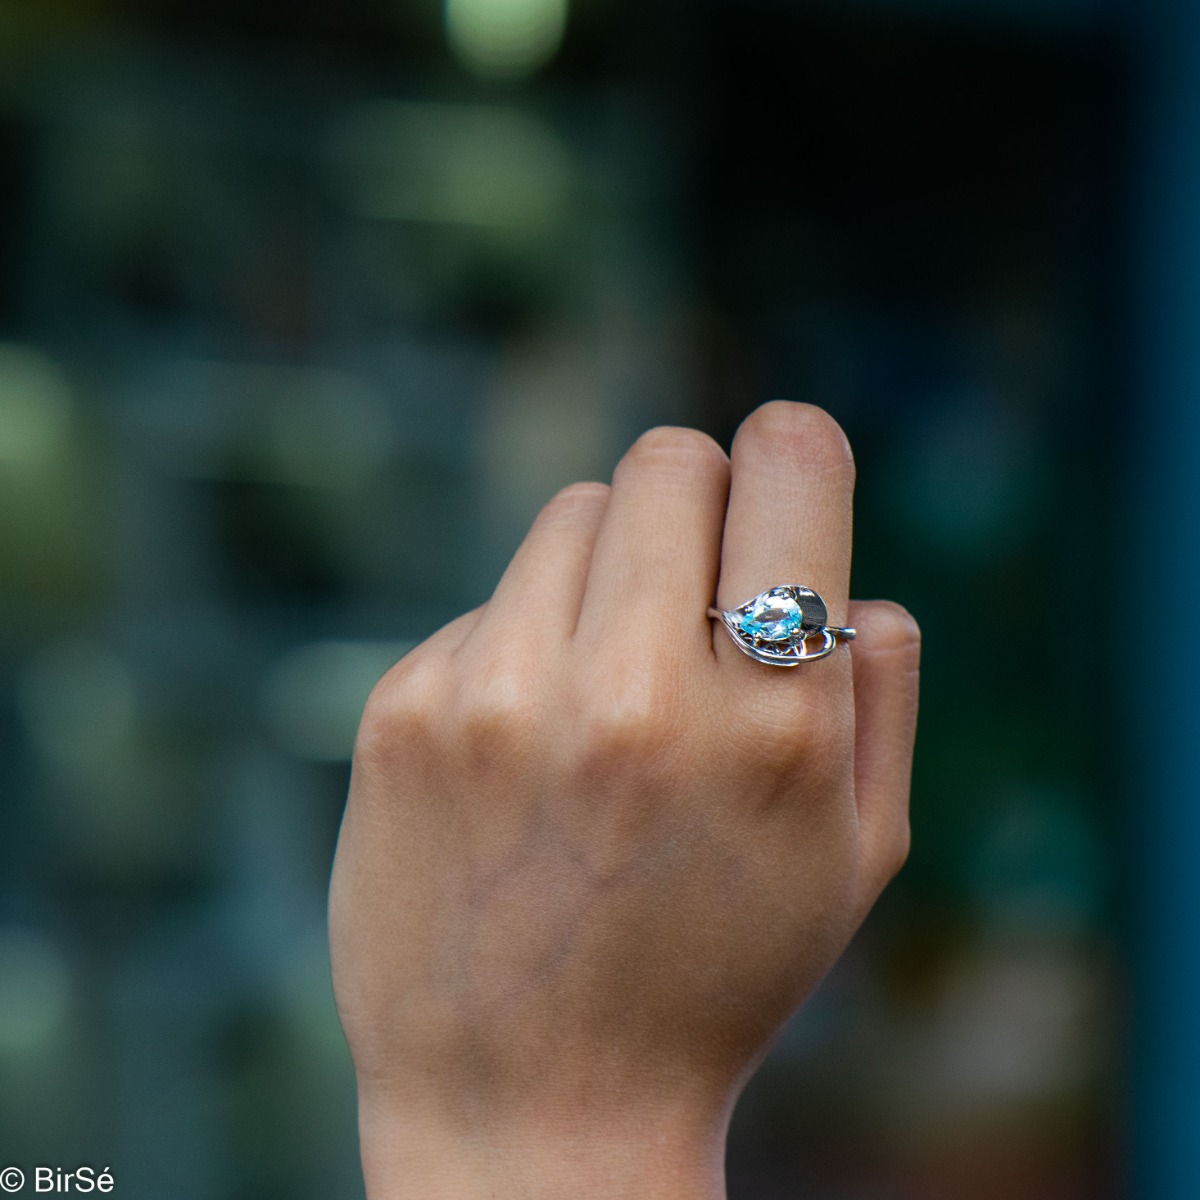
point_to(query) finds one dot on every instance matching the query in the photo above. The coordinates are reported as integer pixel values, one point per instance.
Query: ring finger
(789, 516)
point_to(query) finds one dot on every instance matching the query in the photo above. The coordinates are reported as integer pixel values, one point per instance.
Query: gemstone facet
(773, 616)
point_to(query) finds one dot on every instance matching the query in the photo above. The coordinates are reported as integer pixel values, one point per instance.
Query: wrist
(408, 1154)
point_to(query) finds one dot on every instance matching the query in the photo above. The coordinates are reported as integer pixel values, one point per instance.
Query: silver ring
(782, 625)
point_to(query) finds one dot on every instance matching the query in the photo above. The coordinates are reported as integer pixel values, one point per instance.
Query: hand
(594, 857)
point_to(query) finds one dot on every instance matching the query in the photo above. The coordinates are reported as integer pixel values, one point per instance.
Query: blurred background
(307, 307)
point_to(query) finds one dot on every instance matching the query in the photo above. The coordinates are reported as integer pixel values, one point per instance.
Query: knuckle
(806, 434)
(497, 711)
(620, 734)
(399, 709)
(673, 448)
(626, 720)
(816, 744)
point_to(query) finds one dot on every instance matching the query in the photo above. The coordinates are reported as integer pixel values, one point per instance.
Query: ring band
(780, 626)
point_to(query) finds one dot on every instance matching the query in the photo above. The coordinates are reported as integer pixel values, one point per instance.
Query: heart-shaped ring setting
(784, 626)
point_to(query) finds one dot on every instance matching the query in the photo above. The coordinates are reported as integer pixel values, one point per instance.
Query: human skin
(594, 857)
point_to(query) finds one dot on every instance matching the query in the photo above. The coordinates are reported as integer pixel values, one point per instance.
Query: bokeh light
(35, 992)
(35, 407)
(505, 38)
(79, 704)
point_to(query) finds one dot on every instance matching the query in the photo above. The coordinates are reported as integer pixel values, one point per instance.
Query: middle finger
(655, 562)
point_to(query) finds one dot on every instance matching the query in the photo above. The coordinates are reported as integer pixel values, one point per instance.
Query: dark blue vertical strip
(1163, 559)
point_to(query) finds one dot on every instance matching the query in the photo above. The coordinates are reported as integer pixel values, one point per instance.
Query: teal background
(300, 323)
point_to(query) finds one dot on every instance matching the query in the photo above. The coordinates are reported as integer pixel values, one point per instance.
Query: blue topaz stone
(773, 616)
(784, 626)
